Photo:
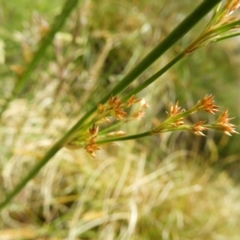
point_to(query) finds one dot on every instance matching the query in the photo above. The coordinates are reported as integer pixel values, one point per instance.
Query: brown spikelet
(119, 113)
(91, 148)
(93, 131)
(173, 112)
(132, 100)
(198, 127)
(101, 108)
(223, 124)
(207, 104)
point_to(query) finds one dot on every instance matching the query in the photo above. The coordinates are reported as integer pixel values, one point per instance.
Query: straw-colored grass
(162, 187)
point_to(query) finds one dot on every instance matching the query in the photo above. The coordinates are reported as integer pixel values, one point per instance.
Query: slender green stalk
(38, 56)
(154, 77)
(141, 135)
(172, 38)
(228, 36)
(112, 127)
(124, 138)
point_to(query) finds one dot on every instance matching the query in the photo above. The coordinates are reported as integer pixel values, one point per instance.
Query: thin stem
(124, 138)
(227, 27)
(141, 135)
(215, 13)
(154, 77)
(227, 36)
(112, 127)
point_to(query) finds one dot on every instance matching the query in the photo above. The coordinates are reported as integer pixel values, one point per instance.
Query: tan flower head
(175, 110)
(116, 107)
(132, 100)
(101, 108)
(207, 104)
(198, 127)
(119, 113)
(93, 131)
(138, 115)
(222, 25)
(114, 102)
(91, 148)
(231, 6)
(223, 124)
(225, 16)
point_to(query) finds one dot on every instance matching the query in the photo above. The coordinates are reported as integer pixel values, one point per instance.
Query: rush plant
(101, 124)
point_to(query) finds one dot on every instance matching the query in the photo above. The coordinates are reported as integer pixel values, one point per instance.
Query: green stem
(227, 27)
(154, 77)
(124, 138)
(112, 127)
(228, 36)
(144, 134)
(172, 38)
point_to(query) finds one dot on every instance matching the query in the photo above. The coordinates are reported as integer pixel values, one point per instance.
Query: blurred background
(172, 186)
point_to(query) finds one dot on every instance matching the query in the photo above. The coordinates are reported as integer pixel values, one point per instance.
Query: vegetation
(125, 169)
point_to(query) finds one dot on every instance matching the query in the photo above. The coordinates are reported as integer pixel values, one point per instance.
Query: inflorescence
(115, 111)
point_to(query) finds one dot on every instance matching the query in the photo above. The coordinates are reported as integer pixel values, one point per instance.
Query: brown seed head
(227, 11)
(115, 105)
(93, 131)
(138, 115)
(91, 148)
(215, 29)
(223, 124)
(198, 127)
(101, 108)
(231, 6)
(207, 104)
(132, 100)
(174, 111)
(119, 113)
(114, 102)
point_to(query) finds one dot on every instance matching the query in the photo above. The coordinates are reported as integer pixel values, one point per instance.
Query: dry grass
(159, 188)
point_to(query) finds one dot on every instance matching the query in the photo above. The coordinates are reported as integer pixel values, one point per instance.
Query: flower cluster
(222, 25)
(176, 120)
(174, 112)
(198, 128)
(207, 104)
(116, 107)
(91, 147)
(223, 124)
(176, 117)
(113, 108)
